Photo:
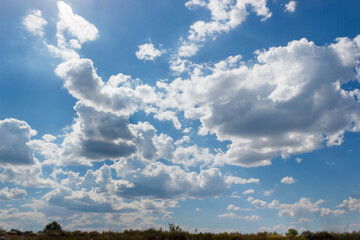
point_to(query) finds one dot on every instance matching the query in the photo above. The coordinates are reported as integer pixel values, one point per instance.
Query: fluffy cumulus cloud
(303, 206)
(290, 6)
(12, 194)
(163, 181)
(34, 23)
(75, 26)
(327, 211)
(26, 176)
(289, 101)
(14, 142)
(287, 180)
(351, 204)
(147, 51)
(14, 218)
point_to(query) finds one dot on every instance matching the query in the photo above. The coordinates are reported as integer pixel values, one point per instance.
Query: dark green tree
(53, 227)
(292, 233)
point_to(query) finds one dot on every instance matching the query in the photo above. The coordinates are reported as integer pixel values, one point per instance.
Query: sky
(215, 115)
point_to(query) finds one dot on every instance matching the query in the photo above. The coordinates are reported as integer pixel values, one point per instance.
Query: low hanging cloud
(232, 215)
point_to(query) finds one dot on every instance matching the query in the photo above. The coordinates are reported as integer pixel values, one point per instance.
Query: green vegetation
(54, 231)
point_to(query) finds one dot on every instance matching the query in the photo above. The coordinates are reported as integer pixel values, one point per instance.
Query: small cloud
(187, 130)
(268, 193)
(249, 199)
(147, 51)
(235, 195)
(249, 191)
(298, 160)
(197, 209)
(232, 207)
(287, 180)
(290, 7)
(34, 23)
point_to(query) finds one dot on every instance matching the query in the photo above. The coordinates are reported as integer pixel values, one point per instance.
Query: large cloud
(14, 142)
(289, 101)
(162, 181)
(97, 136)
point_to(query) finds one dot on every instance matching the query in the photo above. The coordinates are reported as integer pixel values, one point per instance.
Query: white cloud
(14, 219)
(168, 115)
(352, 204)
(188, 50)
(197, 209)
(14, 142)
(162, 181)
(26, 176)
(235, 195)
(303, 206)
(258, 203)
(34, 23)
(249, 191)
(193, 3)
(260, 107)
(268, 192)
(232, 207)
(249, 199)
(298, 160)
(147, 51)
(192, 156)
(280, 228)
(287, 180)
(304, 220)
(12, 194)
(225, 16)
(327, 211)
(235, 216)
(238, 180)
(74, 25)
(290, 6)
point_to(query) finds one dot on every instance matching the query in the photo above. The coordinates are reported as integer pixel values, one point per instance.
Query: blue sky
(217, 115)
